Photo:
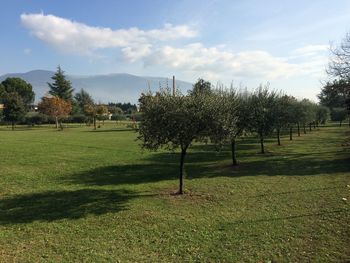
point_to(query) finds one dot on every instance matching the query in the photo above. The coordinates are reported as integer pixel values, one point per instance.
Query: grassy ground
(80, 195)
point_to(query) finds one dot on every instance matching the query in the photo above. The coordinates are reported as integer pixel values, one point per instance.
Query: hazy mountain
(119, 87)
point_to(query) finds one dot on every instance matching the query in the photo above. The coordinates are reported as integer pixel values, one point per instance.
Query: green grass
(84, 196)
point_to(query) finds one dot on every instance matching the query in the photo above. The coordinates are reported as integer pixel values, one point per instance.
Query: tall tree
(56, 108)
(14, 109)
(174, 122)
(61, 87)
(21, 87)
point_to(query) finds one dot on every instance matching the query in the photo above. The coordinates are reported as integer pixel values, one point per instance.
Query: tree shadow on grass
(112, 130)
(274, 166)
(207, 164)
(55, 205)
(125, 174)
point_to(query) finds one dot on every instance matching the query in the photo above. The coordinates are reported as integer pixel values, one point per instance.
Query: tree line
(222, 116)
(61, 104)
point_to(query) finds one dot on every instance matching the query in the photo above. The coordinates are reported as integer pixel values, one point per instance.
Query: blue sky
(245, 42)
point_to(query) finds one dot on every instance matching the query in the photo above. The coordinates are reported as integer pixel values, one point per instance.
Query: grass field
(83, 196)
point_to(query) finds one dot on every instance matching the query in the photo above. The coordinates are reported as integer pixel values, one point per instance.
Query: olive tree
(307, 113)
(224, 127)
(283, 117)
(174, 122)
(262, 103)
(322, 114)
(232, 118)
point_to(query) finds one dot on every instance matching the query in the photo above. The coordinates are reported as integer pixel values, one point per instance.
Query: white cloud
(217, 63)
(27, 51)
(74, 37)
(310, 50)
(152, 48)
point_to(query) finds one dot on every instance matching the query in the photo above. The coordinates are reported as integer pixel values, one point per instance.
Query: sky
(247, 43)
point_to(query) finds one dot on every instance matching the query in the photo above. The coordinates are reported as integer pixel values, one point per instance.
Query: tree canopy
(200, 87)
(262, 103)
(174, 122)
(337, 94)
(55, 107)
(21, 87)
(83, 98)
(15, 109)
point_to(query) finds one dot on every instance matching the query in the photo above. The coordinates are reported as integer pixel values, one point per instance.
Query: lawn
(94, 196)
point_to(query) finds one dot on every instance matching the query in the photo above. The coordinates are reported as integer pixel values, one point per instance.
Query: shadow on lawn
(208, 164)
(112, 130)
(56, 205)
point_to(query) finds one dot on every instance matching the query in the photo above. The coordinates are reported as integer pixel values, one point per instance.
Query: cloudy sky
(285, 43)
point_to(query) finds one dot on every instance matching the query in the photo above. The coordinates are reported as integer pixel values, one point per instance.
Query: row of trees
(17, 96)
(221, 116)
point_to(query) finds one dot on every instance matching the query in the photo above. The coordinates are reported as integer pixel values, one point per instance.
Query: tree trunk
(94, 120)
(310, 126)
(340, 123)
(290, 133)
(233, 151)
(298, 129)
(13, 125)
(314, 125)
(304, 128)
(182, 161)
(278, 137)
(61, 126)
(56, 121)
(262, 144)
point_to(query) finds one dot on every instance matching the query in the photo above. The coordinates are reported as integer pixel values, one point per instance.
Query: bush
(137, 116)
(78, 118)
(118, 117)
(338, 114)
(35, 118)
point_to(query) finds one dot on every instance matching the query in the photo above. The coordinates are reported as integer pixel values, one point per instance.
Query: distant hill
(119, 87)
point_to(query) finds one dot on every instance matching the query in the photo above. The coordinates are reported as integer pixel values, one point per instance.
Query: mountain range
(119, 87)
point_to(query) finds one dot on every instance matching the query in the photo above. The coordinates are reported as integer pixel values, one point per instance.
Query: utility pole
(174, 87)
